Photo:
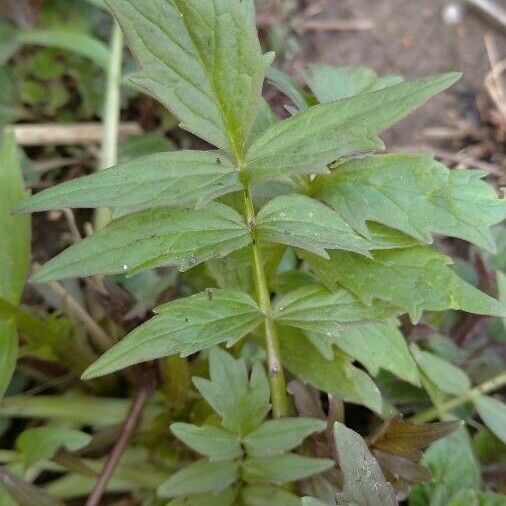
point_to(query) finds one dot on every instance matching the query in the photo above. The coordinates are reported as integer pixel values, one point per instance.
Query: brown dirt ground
(409, 37)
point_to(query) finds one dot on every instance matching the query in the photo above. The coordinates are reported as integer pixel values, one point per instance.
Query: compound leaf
(153, 238)
(274, 437)
(160, 180)
(242, 403)
(309, 141)
(414, 194)
(300, 221)
(184, 326)
(202, 60)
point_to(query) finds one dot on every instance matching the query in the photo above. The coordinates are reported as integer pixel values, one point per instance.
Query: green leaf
(8, 354)
(14, 253)
(316, 309)
(42, 443)
(337, 376)
(274, 437)
(260, 495)
(215, 443)
(311, 501)
(447, 377)
(501, 287)
(300, 221)
(76, 42)
(475, 498)
(14, 230)
(200, 477)
(309, 141)
(415, 194)
(283, 468)
(330, 83)
(284, 83)
(454, 469)
(377, 346)
(226, 498)
(493, 413)
(23, 492)
(183, 326)
(364, 482)
(241, 403)
(159, 180)
(152, 238)
(414, 279)
(202, 60)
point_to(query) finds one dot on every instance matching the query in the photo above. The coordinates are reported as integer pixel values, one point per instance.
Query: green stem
(111, 118)
(276, 374)
(445, 407)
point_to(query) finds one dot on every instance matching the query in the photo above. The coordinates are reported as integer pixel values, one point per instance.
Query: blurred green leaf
(260, 495)
(42, 443)
(454, 470)
(493, 412)
(447, 377)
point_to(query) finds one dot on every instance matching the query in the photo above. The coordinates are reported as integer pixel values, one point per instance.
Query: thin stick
(445, 407)
(71, 222)
(99, 335)
(491, 9)
(51, 134)
(111, 119)
(128, 429)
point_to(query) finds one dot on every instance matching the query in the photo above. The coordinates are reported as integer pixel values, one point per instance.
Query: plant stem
(276, 374)
(486, 387)
(111, 117)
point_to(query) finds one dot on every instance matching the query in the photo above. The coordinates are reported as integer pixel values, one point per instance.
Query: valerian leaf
(300, 221)
(330, 83)
(184, 326)
(309, 141)
(274, 437)
(42, 443)
(413, 279)
(202, 60)
(160, 180)
(493, 412)
(376, 345)
(241, 402)
(364, 482)
(337, 376)
(213, 442)
(447, 377)
(14, 253)
(152, 238)
(415, 194)
(317, 309)
(200, 477)
(283, 468)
